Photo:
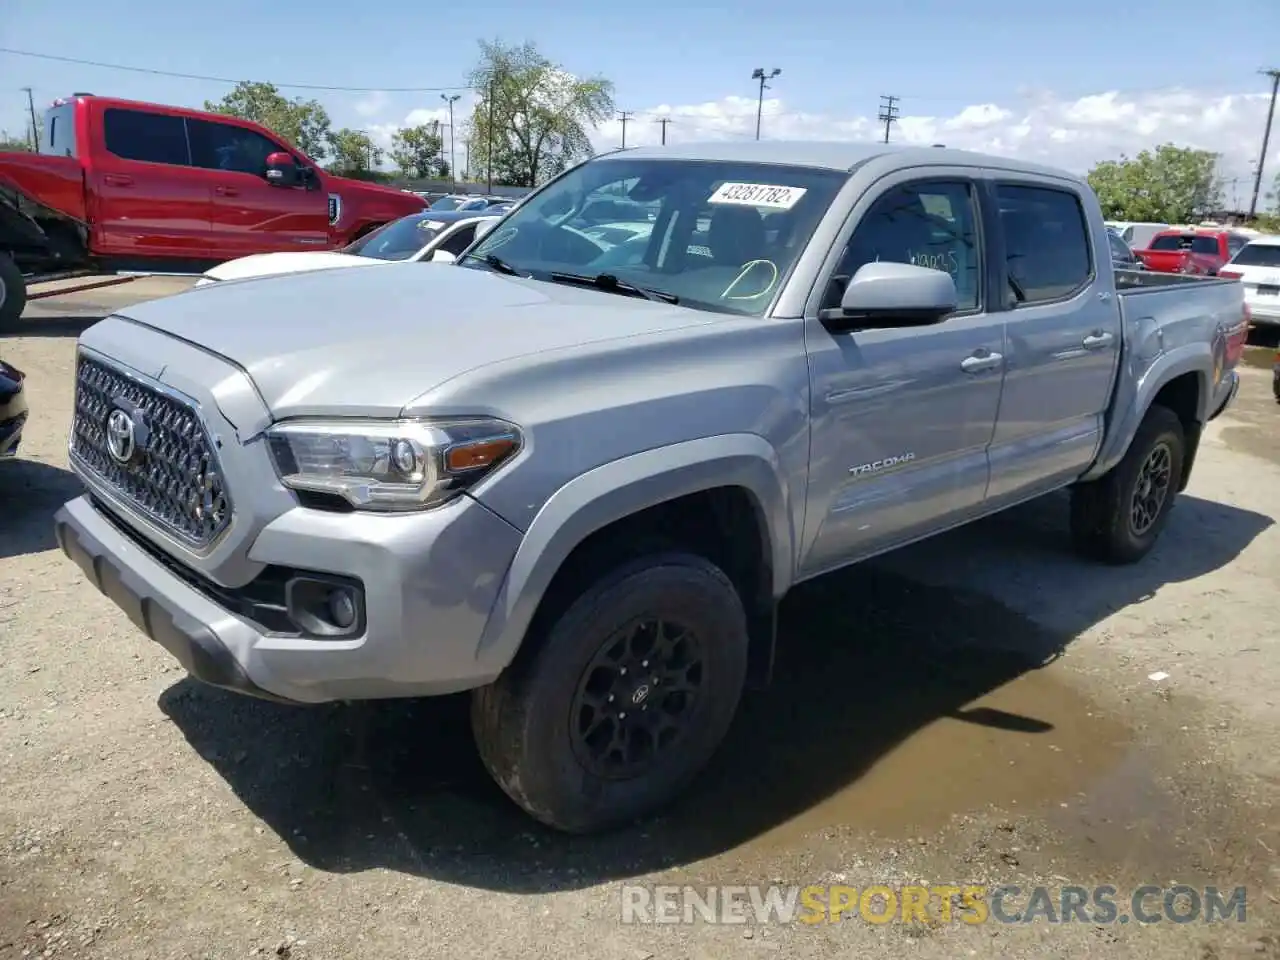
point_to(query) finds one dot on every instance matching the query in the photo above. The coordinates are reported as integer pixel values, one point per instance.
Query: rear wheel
(13, 292)
(623, 699)
(1118, 517)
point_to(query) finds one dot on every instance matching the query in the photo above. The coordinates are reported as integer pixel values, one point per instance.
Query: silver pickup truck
(577, 477)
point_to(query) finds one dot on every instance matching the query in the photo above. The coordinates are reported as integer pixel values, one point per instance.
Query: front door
(901, 418)
(147, 198)
(249, 214)
(1064, 335)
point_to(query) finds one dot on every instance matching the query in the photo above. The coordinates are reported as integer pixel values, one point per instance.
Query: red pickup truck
(1191, 251)
(122, 185)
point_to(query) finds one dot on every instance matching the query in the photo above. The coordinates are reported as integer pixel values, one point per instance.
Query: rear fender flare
(619, 489)
(1123, 425)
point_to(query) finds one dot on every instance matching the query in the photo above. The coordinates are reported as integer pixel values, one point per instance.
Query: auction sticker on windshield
(757, 195)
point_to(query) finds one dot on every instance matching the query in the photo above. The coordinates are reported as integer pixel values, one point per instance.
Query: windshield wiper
(611, 284)
(495, 262)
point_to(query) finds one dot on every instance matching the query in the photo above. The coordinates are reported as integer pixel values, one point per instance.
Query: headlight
(390, 464)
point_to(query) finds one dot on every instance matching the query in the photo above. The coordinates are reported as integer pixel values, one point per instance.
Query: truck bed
(1164, 311)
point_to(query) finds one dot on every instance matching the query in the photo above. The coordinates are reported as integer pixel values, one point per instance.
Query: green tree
(304, 123)
(9, 144)
(541, 116)
(353, 152)
(1168, 185)
(416, 151)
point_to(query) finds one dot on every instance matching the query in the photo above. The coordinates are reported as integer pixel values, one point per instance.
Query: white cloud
(1069, 133)
(381, 133)
(372, 105)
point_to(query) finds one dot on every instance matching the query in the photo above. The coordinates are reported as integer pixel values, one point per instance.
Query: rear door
(147, 199)
(1062, 336)
(251, 215)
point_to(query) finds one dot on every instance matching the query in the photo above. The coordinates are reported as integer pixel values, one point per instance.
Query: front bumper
(1226, 393)
(430, 582)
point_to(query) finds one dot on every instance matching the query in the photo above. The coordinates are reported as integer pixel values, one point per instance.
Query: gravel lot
(977, 709)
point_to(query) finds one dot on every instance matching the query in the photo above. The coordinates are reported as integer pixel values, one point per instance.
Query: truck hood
(368, 342)
(269, 264)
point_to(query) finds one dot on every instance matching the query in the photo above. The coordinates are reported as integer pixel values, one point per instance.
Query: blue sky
(837, 58)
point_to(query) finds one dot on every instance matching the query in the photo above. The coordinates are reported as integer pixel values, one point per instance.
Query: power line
(1274, 74)
(888, 114)
(664, 121)
(211, 79)
(625, 116)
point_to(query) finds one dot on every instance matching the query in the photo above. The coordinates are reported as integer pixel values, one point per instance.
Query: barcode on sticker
(758, 195)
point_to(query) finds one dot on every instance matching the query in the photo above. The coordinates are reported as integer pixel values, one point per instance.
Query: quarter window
(149, 137)
(1046, 241)
(931, 224)
(460, 240)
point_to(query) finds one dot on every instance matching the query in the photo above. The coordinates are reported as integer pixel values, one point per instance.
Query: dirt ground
(979, 709)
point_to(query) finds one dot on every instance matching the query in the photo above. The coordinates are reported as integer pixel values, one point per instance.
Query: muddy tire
(1118, 517)
(13, 293)
(622, 700)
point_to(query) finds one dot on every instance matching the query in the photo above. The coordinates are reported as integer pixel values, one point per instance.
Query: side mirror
(442, 256)
(484, 227)
(884, 294)
(282, 170)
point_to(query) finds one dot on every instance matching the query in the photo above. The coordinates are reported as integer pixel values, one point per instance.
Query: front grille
(170, 472)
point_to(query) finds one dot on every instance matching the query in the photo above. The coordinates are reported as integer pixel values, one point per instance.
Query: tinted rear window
(1196, 243)
(150, 137)
(1259, 255)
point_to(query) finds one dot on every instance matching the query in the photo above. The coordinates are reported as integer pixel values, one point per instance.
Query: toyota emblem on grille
(121, 442)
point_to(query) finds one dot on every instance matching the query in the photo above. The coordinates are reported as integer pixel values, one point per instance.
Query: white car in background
(1257, 267)
(438, 236)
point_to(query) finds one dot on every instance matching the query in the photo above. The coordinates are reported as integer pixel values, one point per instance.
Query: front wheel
(1118, 517)
(13, 292)
(624, 698)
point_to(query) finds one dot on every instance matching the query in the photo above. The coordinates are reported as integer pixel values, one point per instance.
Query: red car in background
(122, 185)
(1197, 251)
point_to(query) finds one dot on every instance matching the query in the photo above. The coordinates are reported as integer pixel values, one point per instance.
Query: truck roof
(833, 155)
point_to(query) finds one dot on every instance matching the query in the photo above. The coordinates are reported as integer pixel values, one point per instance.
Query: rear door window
(148, 137)
(1046, 237)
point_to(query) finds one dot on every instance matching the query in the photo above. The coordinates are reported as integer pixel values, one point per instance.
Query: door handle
(117, 180)
(977, 364)
(1096, 341)
(226, 191)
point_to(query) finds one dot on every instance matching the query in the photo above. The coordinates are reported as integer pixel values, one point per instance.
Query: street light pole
(759, 74)
(453, 176)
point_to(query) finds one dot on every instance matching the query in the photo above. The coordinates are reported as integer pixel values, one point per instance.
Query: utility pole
(625, 116)
(35, 130)
(1274, 74)
(664, 121)
(888, 114)
(490, 125)
(759, 74)
(451, 100)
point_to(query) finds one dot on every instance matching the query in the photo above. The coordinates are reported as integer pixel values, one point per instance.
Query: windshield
(398, 240)
(448, 203)
(1259, 255)
(719, 236)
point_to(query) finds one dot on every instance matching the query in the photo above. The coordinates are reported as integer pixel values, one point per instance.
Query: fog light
(342, 608)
